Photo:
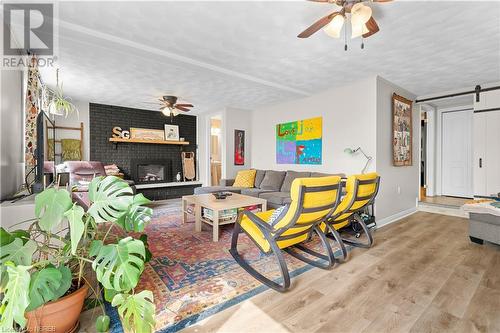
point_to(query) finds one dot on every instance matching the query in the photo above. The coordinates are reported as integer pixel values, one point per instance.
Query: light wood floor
(443, 200)
(423, 275)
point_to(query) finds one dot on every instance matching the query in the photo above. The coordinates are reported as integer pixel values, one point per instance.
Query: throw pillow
(276, 215)
(272, 180)
(245, 178)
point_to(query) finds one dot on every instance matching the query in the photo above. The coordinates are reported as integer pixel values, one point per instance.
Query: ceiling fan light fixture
(358, 29)
(166, 111)
(334, 28)
(360, 14)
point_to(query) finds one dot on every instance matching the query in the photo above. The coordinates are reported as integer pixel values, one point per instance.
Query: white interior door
(457, 154)
(492, 145)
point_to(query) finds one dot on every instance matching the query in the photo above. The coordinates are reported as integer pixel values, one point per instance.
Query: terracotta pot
(59, 316)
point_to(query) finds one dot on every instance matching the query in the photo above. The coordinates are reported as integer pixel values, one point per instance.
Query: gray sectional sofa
(273, 186)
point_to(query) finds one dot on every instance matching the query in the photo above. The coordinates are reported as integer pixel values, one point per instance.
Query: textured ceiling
(246, 54)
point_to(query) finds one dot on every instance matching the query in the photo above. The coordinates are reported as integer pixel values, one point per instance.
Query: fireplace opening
(151, 171)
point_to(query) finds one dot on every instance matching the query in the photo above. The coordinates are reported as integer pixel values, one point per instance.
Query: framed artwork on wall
(402, 134)
(299, 142)
(146, 134)
(171, 132)
(239, 147)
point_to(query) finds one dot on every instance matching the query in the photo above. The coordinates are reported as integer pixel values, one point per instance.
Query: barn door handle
(480, 162)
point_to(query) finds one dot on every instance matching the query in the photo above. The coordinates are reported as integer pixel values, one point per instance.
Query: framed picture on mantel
(146, 134)
(402, 134)
(171, 132)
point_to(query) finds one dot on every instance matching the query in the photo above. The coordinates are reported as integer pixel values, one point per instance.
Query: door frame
(441, 180)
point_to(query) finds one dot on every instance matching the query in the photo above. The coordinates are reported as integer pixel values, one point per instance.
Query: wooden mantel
(157, 142)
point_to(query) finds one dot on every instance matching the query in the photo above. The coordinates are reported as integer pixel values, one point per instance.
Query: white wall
(399, 186)
(349, 118)
(12, 132)
(73, 120)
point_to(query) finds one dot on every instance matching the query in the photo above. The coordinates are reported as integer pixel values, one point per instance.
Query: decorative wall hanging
(402, 135)
(171, 132)
(299, 142)
(33, 90)
(239, 147)
(147, 134)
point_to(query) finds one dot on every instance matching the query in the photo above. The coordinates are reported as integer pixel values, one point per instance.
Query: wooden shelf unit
(157, 142)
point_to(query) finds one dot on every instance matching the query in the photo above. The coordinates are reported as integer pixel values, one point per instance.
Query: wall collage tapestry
(401, 131)
(300, 142)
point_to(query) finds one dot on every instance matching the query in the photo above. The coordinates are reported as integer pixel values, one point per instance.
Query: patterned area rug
(192, 277)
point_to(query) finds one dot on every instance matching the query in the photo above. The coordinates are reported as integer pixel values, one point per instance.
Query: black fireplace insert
(145, 171)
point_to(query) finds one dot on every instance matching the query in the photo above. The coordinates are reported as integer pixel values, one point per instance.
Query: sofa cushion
(272, 180)
(212, 189)
(276, 198)
(290, 176)
(253, 192)
(259, 176)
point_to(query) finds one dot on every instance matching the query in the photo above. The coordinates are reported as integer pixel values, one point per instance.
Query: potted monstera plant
(43, 266)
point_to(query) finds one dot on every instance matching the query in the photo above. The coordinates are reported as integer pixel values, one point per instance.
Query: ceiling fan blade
(317, 25)
(372, 27)
(181, 108)
(185, 105)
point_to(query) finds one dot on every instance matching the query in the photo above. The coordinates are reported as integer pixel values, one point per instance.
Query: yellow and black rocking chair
(361, 191)
(312, 201)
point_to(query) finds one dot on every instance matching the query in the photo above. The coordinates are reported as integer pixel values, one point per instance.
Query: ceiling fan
(169, 106)
(362, 22)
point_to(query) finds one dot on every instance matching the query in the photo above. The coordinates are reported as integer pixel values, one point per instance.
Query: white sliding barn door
(457, 154)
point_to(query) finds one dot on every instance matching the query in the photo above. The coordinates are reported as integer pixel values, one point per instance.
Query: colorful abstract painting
(299, 142)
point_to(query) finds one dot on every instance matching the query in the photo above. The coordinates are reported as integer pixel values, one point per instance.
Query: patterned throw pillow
(245, 178)
(277, 214)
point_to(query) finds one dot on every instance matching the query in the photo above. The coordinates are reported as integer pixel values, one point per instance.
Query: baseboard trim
(396, 217)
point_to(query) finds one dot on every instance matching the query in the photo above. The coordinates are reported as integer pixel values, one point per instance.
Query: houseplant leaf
(137, 216)
(119, 266)
(110, 197)
(144, 239)
(22, 234)
(17, 252)
(102, 324)
(5, 237)
(95, 247)
(76, 226)
(15, 299)
(137, 311)
(43, 286)
(50, 206)
(66, 278)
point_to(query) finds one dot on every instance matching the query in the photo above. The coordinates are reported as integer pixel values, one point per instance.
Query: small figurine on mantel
(178, 177)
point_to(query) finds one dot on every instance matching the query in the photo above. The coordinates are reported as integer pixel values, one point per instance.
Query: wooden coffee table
(200, 201)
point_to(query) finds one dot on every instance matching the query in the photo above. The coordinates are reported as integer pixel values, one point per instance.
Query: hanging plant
(60, 105)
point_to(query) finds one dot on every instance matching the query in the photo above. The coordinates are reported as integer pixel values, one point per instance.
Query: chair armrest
(255, 219)
(226, 182)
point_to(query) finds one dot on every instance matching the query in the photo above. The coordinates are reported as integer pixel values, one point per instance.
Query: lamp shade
(358, 29)
(166, 111)
(334, 28)
(360, 14)
(348, 151)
